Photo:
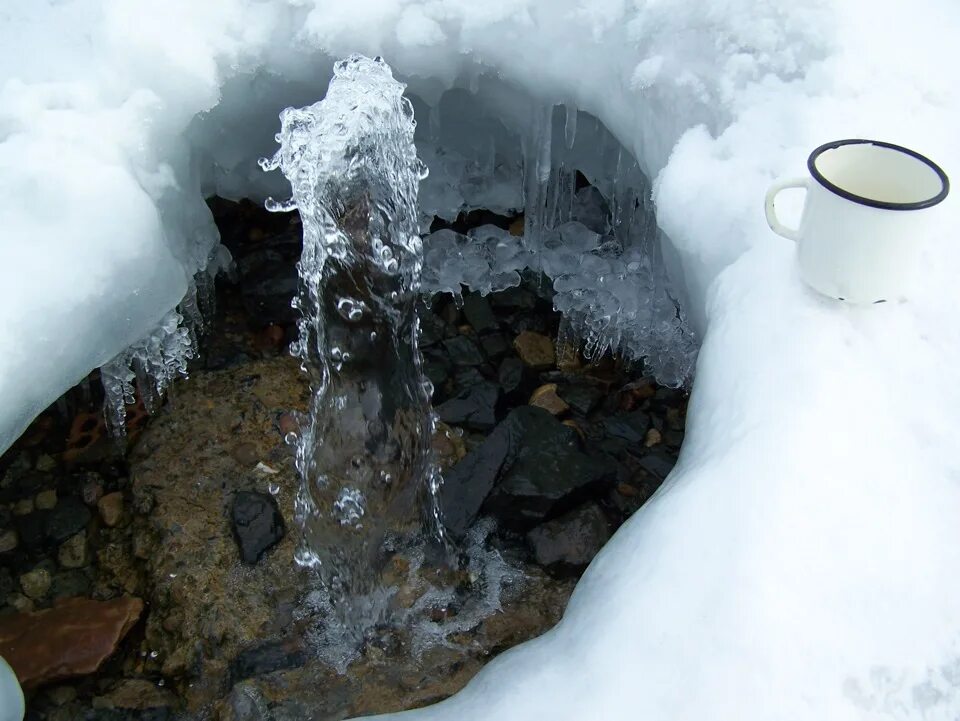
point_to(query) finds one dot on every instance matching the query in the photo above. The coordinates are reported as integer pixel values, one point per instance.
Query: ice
(801, 560)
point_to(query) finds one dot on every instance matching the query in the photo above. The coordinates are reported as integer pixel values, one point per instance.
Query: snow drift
(800, 561)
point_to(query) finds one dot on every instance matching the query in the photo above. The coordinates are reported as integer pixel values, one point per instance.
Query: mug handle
(775, 225)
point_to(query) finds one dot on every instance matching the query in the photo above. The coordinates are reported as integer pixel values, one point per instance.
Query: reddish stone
(71, 639)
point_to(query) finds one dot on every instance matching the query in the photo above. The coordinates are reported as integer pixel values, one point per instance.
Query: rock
(92, 490)
(528, 466)
(494, 345)
(257, 524)
(23, 507)
(267, 658)
(61, 695)
(474, 407)
(548, 472)
(110, 508)
(73, 582)
(73, 552)
(30, 530)
(510, 374)
(135, 694)
(582, 397)
(657, 465)
(8, 540)
(67, 518)
(448, 445)
(36, 583)
(514, 298)
(46, 500)
(45, 463)
(478, 313)
(572, 540)
(245, 454)
(630, 427)
(535, 350)
(546, 397)
(462, 351)
(652, 438)
(71, 639)
(19, 602)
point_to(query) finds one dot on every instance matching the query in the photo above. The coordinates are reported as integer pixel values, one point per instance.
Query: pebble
(66, 518)
(36, 583)
(46, 463)
(8, 540)
(571, 540)
(61, 695)
(245, 454)
(73, 552)
(46, 500)
(92, 491)
(652, 438)
(23, 507)
(111, 508)
(546, 397)
(20, 602)
(535, 350)
(257, 524)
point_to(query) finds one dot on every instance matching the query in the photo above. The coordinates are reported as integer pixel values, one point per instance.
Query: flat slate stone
(474, 407)
(571, 541)
(257, 524)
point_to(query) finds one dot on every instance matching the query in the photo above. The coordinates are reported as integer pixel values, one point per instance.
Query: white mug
(866, 211)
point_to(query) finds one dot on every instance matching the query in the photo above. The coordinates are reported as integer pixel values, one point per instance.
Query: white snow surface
(801, 561)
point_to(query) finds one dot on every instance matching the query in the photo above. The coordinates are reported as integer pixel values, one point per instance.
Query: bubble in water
(386, 477)
(290, 438)
(350, 309)
(348, 509)
(373, 336)
(274, 488)
(306, 558)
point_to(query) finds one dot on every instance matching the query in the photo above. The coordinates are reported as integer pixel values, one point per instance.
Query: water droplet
(386, 477)
(350, 309)
(160, 682)
(274, 488)
(290, 438)
(373, 336)
(349, 508)
(172, 575)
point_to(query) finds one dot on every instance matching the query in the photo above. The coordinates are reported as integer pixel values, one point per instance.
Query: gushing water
(364, 450)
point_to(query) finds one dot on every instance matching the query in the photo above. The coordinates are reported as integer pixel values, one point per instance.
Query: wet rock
(71, 639)
(245, 454)
(135, 694)
(68, 517)
(45, 500)
(73, 551)
(110, 508)
(474, 407)
(582, 397)
(657, 465)
(267, 658)
(510, 374)
(571, 541)
(92, 490)
(630, 427)
(525, 469)
(46, 463)
(20, 603)
(494, 345)
(514, 298)
(257, 524)
(478, 313)
(462, 351)
(535, 350)
(30, 529)
(73, 582)
(548, 472)
(36, 583)
(23, 507)
(653, 438)
(8, 540)
(546, 397)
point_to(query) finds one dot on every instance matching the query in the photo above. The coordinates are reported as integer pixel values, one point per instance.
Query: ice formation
(364, 452)
(801, 560)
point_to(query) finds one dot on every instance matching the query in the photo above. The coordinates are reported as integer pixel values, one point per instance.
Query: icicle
(570, 126)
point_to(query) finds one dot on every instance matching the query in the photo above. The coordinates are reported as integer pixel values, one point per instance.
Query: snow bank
(800, 562)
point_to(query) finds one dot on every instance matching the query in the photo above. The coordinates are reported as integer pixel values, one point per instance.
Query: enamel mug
(867, 209)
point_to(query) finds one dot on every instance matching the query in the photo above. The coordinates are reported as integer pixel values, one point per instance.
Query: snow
(801, 560)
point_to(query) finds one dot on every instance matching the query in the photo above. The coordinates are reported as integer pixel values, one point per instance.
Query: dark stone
(657, 465)
(467, 378)
(70, 583)
(571, 541)
(432, 328)
(257, 524)
(630, 427)
(529, 467)
(514, 298)
(30, 529)
(436, 372)
(69, 516)
(581, 397)
(267, 658)
(495, 345)
(510, 374)
(474, 407)
(462, 351)
(478, 313)
(7, 585)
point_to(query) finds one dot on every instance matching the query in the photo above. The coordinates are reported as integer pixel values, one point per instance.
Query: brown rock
(46, 500)
(535, 350)
(546, 397)
(111, 508)
(35, 583)
(73, 551)
(245, 454)
(8, 540)
(135, 694)
(654, 437)
(23, 507)
(71, 639)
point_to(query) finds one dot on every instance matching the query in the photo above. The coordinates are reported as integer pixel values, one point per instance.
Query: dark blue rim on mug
(884, 205)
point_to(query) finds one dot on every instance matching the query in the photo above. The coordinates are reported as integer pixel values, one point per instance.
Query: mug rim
(882, 204)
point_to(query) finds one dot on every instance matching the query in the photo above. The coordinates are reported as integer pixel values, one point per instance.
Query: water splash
(364, 452)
